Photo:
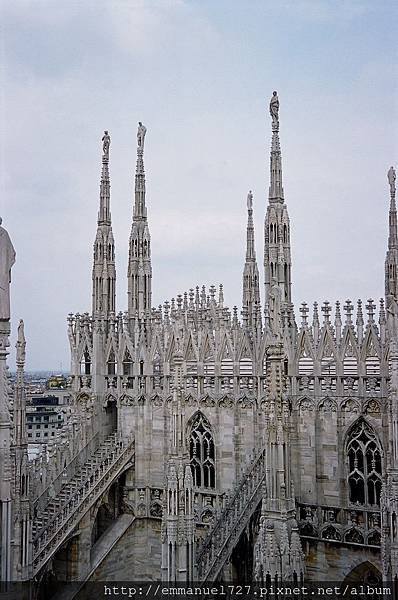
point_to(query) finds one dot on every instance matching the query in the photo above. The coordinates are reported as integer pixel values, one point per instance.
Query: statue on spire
(275, 306)
(250, 200)
(7, 259)
(391, 180)
(141, 137)
(106, 142)
(274, 107)
(21, 344)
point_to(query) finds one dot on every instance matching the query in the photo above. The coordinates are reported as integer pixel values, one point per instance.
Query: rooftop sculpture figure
(274, 107)
(141, 137)
(106, 142)
(7, 259)
(391, 180)
(21, 344)
(250, 200)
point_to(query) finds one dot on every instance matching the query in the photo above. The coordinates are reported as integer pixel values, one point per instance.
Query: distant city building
(56, 382)
(44, 418)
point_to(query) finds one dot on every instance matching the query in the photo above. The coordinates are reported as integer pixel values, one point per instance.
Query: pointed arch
(365, 572)
(111, 364)
(190, 353)
(327, 353)
(156, 351)
(191, 356)
(207, 349)
(85, 362)
(202, 451)
(127, 363)
(364, 464)
(226, 357)
(208, 355)
(245, 356)
(306, 357)
(350, 354)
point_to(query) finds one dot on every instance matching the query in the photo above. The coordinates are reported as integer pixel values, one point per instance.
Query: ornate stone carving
(7, 259)
(106, 142)
(350, 406)
(21, 344)
(250, 200)
(391, 180)
(354, 536)
(306, 405)
(328, 405)
(274, 107)
(156, 510)
(141, 132)
(331, 533)
(373, 408)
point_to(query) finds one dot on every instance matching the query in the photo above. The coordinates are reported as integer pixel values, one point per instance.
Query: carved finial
(382, 314)
(21, 345)
(338, 313)
(166, 310)
(391, 180)
(326, 309)
(106, 142)
(267, 320)
(221, 296)
(141, 138)
(179, 301)
(203, 296)
(274, 108)
(304, 313)
(191, 298)
(371, 307)
(250, 200)
(348, 309)
(315, 322)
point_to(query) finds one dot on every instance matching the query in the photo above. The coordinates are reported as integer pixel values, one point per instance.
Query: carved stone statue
(274, 107)
(275, 307)
(391, 180)
(141, 136)
(7, 259)
(392, 317)
(106, 142)
(250, 200)
(21, 344)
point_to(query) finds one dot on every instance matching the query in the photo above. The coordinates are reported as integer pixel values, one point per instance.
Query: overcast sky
(199, 74)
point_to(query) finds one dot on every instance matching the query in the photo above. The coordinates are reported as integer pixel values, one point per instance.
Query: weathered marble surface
(7, 259)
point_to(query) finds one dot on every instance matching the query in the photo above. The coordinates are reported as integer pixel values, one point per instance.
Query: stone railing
(357, 525)
(58, 458)
(63, 513)
(219, 543)
(54, 486)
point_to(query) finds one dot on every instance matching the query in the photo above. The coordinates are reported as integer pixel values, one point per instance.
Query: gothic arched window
(85, 364)
(364, 465)
(202, 455)
(127, 363)
(111, 363)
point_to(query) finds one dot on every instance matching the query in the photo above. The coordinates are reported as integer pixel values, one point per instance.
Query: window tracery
(202, 453)
(364, 465)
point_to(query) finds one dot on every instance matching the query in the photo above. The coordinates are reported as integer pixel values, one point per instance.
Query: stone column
(5, 457)
(7, 259)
